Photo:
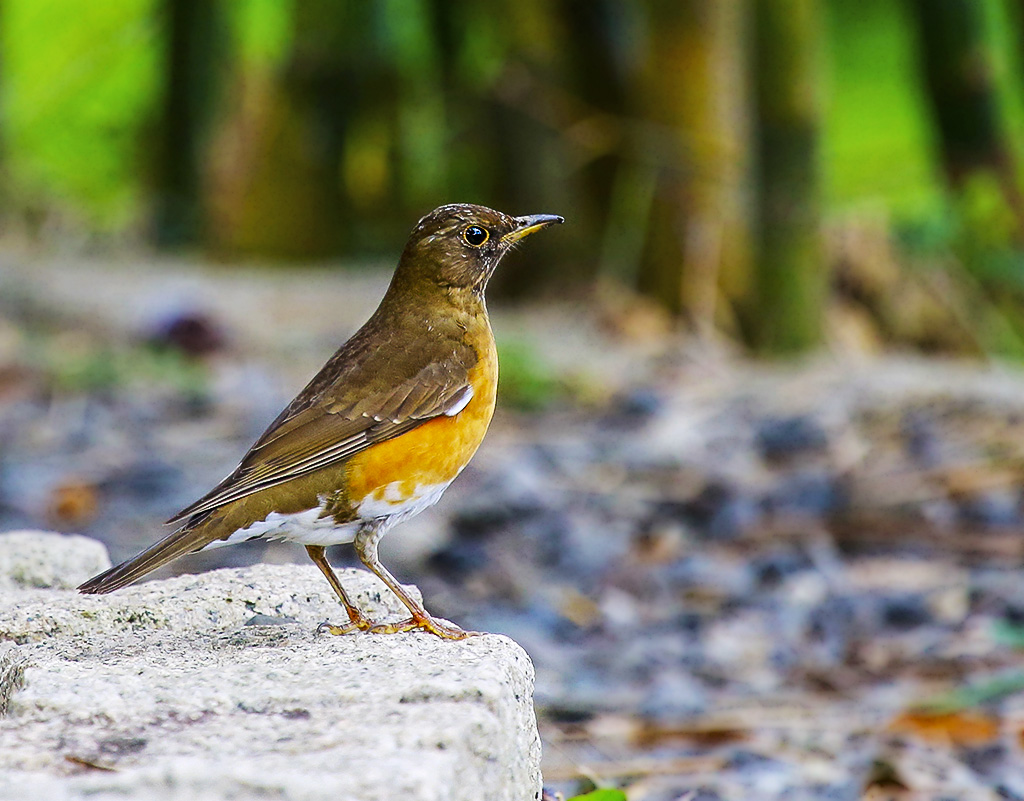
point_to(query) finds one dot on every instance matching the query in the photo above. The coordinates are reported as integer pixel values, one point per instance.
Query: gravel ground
(736, 581)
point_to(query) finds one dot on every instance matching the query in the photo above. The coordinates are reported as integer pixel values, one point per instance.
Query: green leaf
(1008, 633)
(604, 794)
(975, 694)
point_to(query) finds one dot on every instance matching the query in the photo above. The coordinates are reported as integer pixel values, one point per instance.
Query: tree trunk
(790, 282)
(304, 163)
(594, 66)
(422, 125)
(526, 148)
(193, 42)
(694, 90)
(961, 88)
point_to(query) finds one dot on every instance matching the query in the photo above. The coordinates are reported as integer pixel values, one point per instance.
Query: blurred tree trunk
(458, 60)
(958, 74)
(193, 44)
(790, 283)
(593, 32)
(305, 154)
(528, 144)
(422, 130)
(694, 90)
(323, 93)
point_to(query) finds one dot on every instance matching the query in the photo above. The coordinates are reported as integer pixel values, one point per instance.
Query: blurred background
(752, 500)
(771, 172)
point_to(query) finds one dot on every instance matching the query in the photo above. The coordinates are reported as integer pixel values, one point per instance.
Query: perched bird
(381, 431)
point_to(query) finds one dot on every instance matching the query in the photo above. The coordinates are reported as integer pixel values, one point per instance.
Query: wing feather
(323, 435)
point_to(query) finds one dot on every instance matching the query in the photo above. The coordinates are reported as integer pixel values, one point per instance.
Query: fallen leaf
(963, 728)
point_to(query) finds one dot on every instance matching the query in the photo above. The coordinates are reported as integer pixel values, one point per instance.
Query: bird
(383, 428)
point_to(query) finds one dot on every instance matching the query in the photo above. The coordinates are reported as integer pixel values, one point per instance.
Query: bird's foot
(418, 622)
(426, 623)
(330, 628)
(357, 622)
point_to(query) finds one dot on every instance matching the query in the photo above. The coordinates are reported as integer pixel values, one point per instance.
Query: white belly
(314, 527)
(396, 508)
(305, 528)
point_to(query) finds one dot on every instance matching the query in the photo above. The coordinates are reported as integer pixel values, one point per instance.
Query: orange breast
(431, 454)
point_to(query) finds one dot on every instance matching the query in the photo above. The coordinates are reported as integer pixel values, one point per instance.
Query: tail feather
(183, 541)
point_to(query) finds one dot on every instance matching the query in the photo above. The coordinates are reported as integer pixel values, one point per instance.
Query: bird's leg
(357, 620)
(366, 546)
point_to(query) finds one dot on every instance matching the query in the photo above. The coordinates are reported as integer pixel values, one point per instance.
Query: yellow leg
(366, 546)
(357, 620)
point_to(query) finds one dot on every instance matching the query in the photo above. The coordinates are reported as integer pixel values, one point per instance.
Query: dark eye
(475, 235)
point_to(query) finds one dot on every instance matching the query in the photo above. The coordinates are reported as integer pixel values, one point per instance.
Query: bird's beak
(528, 224)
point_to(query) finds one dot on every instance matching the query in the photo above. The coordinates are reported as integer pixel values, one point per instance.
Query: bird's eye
(475, 235)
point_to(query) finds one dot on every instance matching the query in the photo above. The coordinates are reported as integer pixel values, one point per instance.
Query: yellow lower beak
(530, 223)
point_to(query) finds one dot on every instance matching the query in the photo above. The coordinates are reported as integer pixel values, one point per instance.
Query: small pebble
(639, 403)
(458, 559)
(921, 439)
(770, 569)
(269, 620)
(783, 438)
(905, 612)
(673, 696)
(814, 494)
(722, 511)
(193, 333)
(992, 509)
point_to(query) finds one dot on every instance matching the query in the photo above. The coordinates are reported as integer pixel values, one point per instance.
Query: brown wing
(336, 417)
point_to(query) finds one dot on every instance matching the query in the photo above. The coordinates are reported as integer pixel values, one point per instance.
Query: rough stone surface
(216, 686)
(42, 559)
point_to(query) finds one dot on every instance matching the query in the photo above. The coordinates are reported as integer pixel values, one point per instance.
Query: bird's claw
(330, 628)
(424, 623)
(420, 623)
(357, 622)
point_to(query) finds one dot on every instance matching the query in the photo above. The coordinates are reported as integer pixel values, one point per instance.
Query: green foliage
(484, 102)
(422, 123)
(1003, 32)
(988, 224)
(77, 365)
(973, 238)
(79, 85)
(603, 794)
(977, 226)
(976, 694)
(526, 381)
(81, 90)
(261, 29)
(1008, 633)
(877, 143)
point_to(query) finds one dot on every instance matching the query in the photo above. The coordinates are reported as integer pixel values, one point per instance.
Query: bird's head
(459, 245)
